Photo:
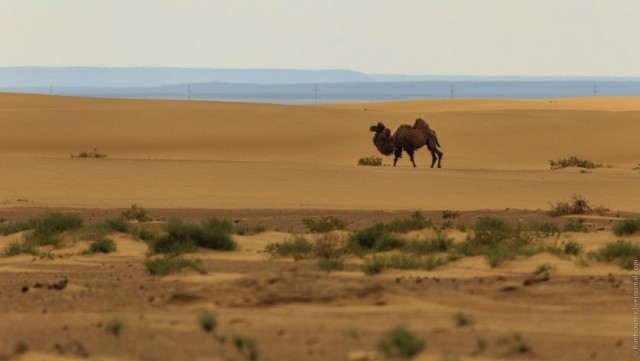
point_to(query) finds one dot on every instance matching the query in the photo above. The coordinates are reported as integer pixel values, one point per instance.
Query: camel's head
(378, 128)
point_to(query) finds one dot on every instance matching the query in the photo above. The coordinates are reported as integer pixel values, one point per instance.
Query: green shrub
(575, 225)
(116, 224)
(542, 268)
(463, 319)
(438, 243)
(115, 326)
(297, 247)
(573, 161)
(11, 227)
(246, 347)
(388, 242)
(546, 229)
(168, 265)
(490, 231)
(136, 212)
(103, 245)
(182, 237)
(370, 161)
(623, 252)
(324, 224)
(143, 233)
(414, 223)
(208, 320)
(15, 248)
(373, 265)
(366, 238)
(411, 261)
(572, 247)
(55, 223)
(401, 343)
(626, 227)
(331, 264)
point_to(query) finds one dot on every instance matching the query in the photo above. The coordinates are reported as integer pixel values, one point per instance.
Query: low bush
(542, 268)
(103, 245)
(575, 225)
(623, 252)
(438, 243)
(577, 205)
(168, 265)
(11, 227)
(331, 264)
(94, 154)
(373, 265)
(414, 223)
(115, 326)
(463, 319)
(15, 248)
(370, 161)
(297, 247)
(136, 212)
(208, 320)
(573, 161)
(450, 214)
(182, 237)
(324, 224)
(401, 343)
(248, 230)
(627, 227)
(572, 247)
(546, 229)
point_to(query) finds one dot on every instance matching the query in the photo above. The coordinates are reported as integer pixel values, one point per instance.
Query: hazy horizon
(589, 38)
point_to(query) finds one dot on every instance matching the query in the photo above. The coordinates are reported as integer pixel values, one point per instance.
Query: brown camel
(407, 138)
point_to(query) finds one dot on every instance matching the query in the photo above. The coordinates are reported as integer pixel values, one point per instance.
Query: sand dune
(233, 155)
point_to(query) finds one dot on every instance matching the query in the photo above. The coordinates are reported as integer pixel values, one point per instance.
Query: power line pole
(189, 91)
(452, 90)
(595, 89)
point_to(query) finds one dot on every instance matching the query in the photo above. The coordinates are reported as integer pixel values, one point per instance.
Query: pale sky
(434, 37)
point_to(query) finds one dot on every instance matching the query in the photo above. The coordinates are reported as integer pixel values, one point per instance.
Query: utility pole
(316, 92)
(595, 89)
(189, 91)
(452, 90)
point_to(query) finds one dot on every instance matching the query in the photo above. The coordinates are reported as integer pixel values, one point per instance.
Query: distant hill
(152, 77)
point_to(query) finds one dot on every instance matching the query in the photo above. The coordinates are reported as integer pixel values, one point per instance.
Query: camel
(407, 138)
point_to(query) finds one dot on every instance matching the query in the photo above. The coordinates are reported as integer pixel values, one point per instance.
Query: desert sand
(274, 165)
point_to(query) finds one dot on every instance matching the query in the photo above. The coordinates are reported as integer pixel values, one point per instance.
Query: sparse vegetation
(438, 243)
(94, 154)
(208, 320)
(627, 227)
(114, 326)
(102, 245)
(450, 214)
(248, 230)
(515, 345)
(546, 229)
(136, 212)
(15, 248)
(324, 224)
(401, 343)
(246, 347)
(621, 251)
(462, 319)
(297, 247)
(11, 227)
(181, 237)
(573, 161)
(414, 223)
(46, 229)
(572, 247)
(168, 265)
(575, 225)
(373, 265)
(577, 205)
(370, 161)
(330, 264)
(542, 268)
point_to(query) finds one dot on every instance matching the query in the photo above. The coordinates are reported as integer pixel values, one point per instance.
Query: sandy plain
(274, 165)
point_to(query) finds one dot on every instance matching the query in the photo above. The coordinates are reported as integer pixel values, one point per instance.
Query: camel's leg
(410, 152)
(440, 155)
(397, 152)
(433, 157)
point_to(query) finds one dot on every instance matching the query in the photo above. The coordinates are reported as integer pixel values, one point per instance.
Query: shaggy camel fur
(407, 138)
